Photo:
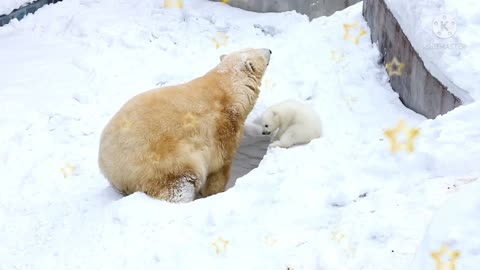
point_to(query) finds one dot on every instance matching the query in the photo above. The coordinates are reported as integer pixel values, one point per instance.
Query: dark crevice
(21, 12)
(251, 151)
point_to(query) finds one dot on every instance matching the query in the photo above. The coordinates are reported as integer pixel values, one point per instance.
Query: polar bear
(296, 122)
(176, 142)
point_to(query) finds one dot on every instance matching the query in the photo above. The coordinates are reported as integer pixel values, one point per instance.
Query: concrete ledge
(21, 12)
(418, 89)
(311, 8)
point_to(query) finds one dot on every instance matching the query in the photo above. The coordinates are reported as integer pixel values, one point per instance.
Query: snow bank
(454, 58)
(452, 240)
(7, 6)
(344, 201)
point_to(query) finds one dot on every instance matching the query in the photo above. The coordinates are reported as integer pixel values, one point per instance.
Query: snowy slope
(454, 59)
(453, 233)
(7, 6)
(344, 201)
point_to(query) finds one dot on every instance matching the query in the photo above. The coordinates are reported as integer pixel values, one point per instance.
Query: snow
(344, 201)
(455, 60)
(453, 223)
(7, 6)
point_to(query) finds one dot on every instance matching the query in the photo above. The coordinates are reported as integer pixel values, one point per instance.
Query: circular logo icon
(444, 26)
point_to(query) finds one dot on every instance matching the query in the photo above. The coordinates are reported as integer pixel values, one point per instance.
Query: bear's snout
(267, 53)
(266, 133)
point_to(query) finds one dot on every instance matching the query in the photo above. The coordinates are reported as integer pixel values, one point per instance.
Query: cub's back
(301, 113)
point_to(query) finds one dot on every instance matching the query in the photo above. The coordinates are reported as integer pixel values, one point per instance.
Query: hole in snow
(251, 151)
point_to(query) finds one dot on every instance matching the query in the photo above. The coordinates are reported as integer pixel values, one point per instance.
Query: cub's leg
(289, 138)
(279, 134)
(216, 182)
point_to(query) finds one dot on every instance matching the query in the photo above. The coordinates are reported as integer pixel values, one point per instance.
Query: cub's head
(248, 63)
(270, 122)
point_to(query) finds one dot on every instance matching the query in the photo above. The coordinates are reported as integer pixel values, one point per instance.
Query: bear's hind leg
(184, 191)
(216, 182)
(180, 189)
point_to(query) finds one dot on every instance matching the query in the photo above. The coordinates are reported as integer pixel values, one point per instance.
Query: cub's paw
(275, 144)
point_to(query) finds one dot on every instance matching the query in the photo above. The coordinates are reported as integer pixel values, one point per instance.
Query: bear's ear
(221, 57)
(250, 66)
(276, 116)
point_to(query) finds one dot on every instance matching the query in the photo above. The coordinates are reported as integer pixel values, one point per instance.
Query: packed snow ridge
(7, 6)
(445, 34)
(343, 201)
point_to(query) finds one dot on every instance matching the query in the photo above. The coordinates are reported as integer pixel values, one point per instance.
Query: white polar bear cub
(296, 122)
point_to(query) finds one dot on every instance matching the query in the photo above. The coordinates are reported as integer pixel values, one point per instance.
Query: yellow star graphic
(393, 133)
(268, 84)
(349, 27)
(337, 56)
(336, 236)
(173, 3)
(450, 265)
(350, 100)
(225, 1)
(190, 120)
(395, 67)
(345, 246)
(217, 243)
(127, 124)
(68, 170)
(270, 241)
(224, 39)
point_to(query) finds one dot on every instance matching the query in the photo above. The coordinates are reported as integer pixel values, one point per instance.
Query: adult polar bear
(176, 141)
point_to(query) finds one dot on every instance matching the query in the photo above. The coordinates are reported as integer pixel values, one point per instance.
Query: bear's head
(270, 121)
(248, 66)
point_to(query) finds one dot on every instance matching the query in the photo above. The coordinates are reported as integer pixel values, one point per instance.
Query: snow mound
(452, 240)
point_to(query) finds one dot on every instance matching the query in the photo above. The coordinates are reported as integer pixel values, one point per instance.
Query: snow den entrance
(249, 154)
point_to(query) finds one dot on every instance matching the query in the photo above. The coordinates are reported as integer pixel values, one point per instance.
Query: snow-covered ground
(452, 54)
(7, 6)
(344, 201)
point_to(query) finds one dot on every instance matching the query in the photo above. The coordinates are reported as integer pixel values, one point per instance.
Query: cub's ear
(250, 66)
(275, 114)
(222, 56)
